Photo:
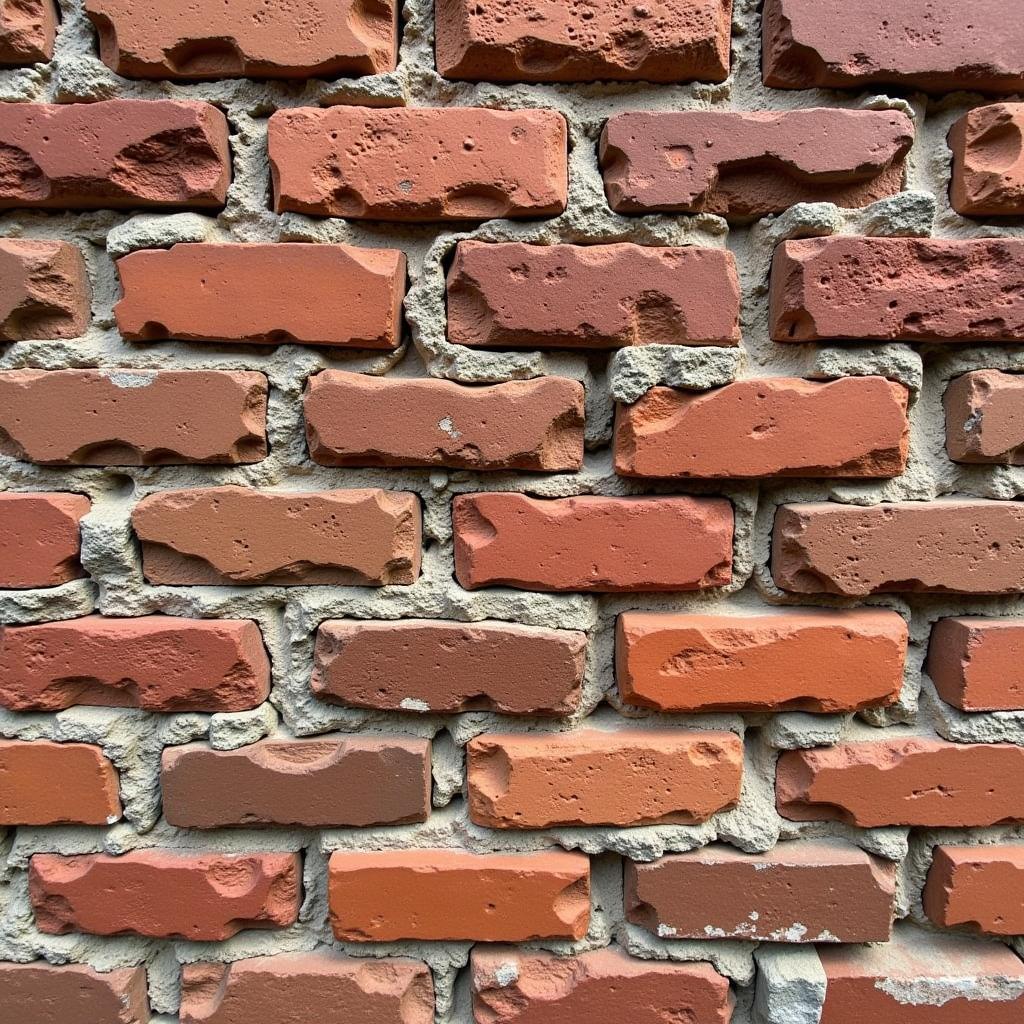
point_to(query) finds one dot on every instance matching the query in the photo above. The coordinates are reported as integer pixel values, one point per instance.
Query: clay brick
(898, 289)
(743, 165)
(551, 41)
(985, 418)
(594, 544)
(353, 419)
(203, 897)
(808, 660)
(818, 891)
(427, 665)
(40, 539)
(321, 986)
(605, 984)
(133, 417)
(321, 783)
(37, 993)
(28, 29)
(988, 162)
(44, 290)
(44, 783)
(234, 535)
(907, 781)
(455, 895)
(851, 427)
(155, 662)
(979, 887)
(114, 154)
(379, 164)
(514, 295)
(247, 39)
(260, 295)
(934, 45)
(978, 664)
(589, 777)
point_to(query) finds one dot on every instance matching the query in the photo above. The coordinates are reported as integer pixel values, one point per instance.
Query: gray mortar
(791, 986)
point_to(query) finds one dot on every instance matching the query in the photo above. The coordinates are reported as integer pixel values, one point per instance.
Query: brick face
(44, 290)
(40, 539)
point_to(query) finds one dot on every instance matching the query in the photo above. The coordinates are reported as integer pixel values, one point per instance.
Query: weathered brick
(260, 295)
(114, 154)
(225, 535)
(28, 29)
(427, 665)
(898, 289)
(590, 777)
(977, 664)
(44, 290)
(851, 427)
(161, 894)
(451, 894)
(551, 41)
(43, 783)
(307, 986)
(40, 539)
(978, 887)
(941, 547)
(596, 544)
(745, 164)
(906, 781)
(247, 39)
(818, 891)
(320, 783)
(935, 45)
(353, 419)
(37, 993)
(367, 162)
(133, 417)
(807, 660)
(985, 418)
(157, 662)
(988, 162)
(514, 295)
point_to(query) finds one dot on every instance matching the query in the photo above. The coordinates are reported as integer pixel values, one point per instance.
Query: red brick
(155, 662)
(907, 781)
(40, 539)
(321, 783)
(602, 985)
(44, 289)
(977, 664)
(367, 162)
(595, 544)
(745, 164)
(247, 39)
(797, 892)
(935, 45)
(428, 665)
(803, 660)
(988, 164)
(851, 427)
(114, 154)
(551, 41)
(260, 295)
(37, 993)
(898, 289)
(451, 894)
(979, 887)
(353, 419)
(985, 418)
(514, 295)
(161, 894)
(28, 29)
(307, 986)
(133, 417)
(44, 783)
(589, 777)
(234, 535)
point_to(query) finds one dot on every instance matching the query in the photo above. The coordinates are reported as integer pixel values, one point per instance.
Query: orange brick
(977, 887)
(40, 539)
(977, 664)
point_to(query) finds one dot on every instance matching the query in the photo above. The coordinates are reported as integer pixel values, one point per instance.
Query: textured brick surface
(985, 418)
(977, 664)
(978, 887)
(27, 31)
(36, 993)
(40, 538)
(44, 290)
(988, 165)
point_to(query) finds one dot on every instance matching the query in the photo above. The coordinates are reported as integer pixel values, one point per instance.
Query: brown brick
(988, 163)
(44, 290)
(353, 419)
(368, 162)
(28, 29)
(977, 664)
(260, 295)
(745, 164)
(40, 539)
(114, 154)
(978, 887)
(985, 418)
(37, 993)
(514, 295)
(234, 535)
(428, 665)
